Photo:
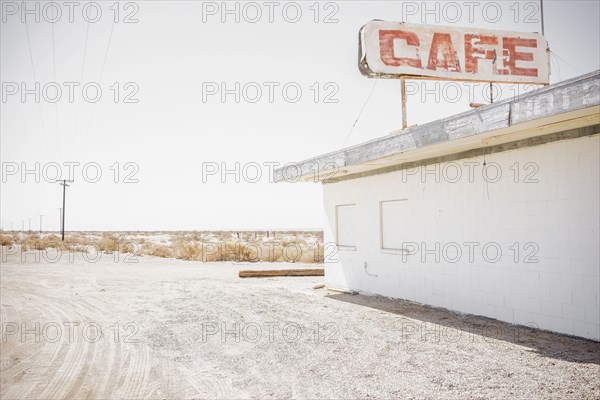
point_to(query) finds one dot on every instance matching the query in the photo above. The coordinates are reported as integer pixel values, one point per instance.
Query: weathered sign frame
(462, 49)
(417, 36)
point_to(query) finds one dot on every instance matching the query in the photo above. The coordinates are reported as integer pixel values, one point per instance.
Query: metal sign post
(403, 85)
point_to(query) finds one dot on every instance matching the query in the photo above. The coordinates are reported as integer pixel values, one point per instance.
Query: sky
(170, 115)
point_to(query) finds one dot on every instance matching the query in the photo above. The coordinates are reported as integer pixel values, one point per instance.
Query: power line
(107, 47)
(563, 60)
(99, 81)
(87, 32)
(469, 94)
(35, 82)
(55, 104)
(556, 65)
(360, 113)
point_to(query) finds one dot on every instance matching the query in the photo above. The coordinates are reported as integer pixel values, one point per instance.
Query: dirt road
(175, 329)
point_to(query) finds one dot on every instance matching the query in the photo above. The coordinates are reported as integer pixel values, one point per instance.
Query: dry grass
(154, 250)
(37, 242)
(7, 240)
(303, 247)
(109, 243)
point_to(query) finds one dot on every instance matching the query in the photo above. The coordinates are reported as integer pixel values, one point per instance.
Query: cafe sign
(395, 50)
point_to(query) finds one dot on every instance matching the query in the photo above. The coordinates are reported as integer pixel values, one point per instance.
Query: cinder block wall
(444, 234)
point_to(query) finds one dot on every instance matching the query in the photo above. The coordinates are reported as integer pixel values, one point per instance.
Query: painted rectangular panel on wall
(393, 216)
(347, 225)
(400, 225)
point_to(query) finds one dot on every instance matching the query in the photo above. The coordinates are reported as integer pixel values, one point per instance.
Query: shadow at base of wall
(430, 324)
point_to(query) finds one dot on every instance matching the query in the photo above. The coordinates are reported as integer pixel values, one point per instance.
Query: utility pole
(29, 224)
(542, 14)
(41, 216)
(60, 218)
(63, 183)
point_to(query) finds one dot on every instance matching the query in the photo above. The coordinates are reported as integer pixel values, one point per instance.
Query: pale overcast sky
(172, 59)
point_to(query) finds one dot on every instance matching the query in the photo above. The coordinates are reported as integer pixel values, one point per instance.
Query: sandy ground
(177, 329)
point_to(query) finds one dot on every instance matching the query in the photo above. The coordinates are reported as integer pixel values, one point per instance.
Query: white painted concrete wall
(552, 205)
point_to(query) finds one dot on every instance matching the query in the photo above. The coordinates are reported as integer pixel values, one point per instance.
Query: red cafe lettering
(442, 45)
(453, 53)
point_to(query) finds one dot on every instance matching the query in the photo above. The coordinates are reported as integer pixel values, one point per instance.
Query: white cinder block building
(493, 212)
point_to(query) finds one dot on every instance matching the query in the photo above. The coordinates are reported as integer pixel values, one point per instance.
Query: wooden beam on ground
(281, 272)
(344, 291)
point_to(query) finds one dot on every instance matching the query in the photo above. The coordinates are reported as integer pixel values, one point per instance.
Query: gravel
(175, 329)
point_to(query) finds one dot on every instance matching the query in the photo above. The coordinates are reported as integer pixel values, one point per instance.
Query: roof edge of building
(556, 102)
